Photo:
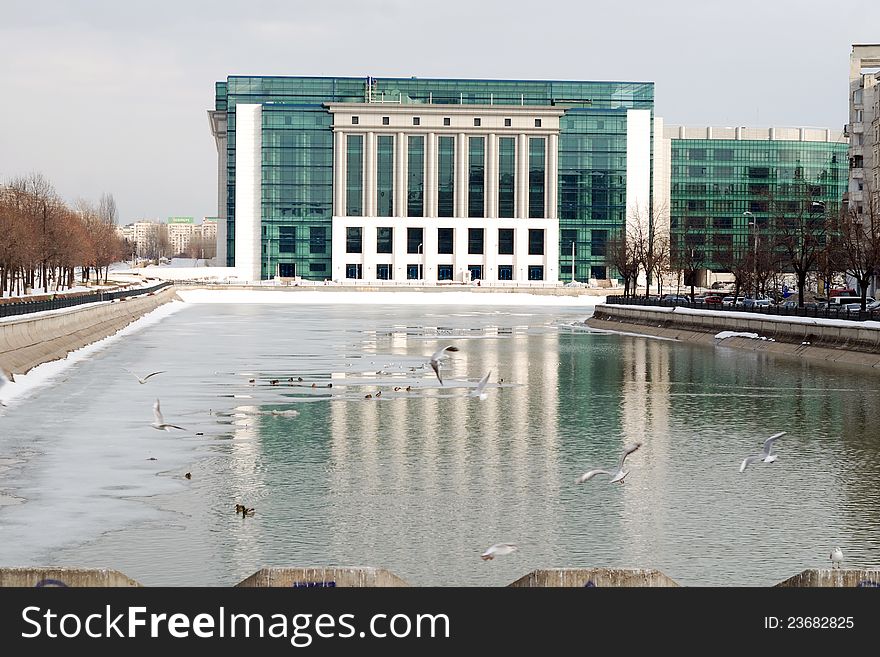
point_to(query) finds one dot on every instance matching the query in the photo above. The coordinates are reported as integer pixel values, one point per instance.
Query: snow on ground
(397, 297)
(26, 383)
(737, 334)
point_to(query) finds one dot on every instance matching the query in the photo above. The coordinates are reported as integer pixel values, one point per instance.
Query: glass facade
(446, 176)
(537, 164)
(714, 182)
(415, 193)
(297, 155)
(506, 176)
(385, 176)
(354, 175)
(476, 176)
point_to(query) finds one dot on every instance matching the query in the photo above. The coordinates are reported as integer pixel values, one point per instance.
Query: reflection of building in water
(644, 417)
(435, 464)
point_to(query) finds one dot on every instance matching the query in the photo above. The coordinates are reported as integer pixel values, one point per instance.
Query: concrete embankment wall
(844, 344)
(29, 341)
(600, 577)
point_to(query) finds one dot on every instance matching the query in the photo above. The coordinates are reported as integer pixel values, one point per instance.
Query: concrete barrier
(599, 577)
(322, 577)
(835, 578)
(41, 577)
(29, 341)
(852, 345)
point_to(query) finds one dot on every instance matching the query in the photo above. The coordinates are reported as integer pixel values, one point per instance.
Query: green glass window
(505, 241)
(476, 176)
(475, 241)
(354, 176)
(286, 239)
(598, 242)
(536, 241)
(536, 177)
(384, 239)
(446, 177)
(353, 240)
(415, 238)
(445, 243)
(506, 176)
(385, 176)
(317, 239)
(415, 195)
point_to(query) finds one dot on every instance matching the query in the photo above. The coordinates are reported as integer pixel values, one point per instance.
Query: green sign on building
(180, 220)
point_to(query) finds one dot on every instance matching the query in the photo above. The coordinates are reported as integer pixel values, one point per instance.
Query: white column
(460, 249)
(490, 252)
(248, 191)
(522, 176)
(370, 174)
(552, 176)
(401, 168)
(431, 174)
(638, 164)
(492, 175)
(521, 252)
(339, 165)
(461, 175)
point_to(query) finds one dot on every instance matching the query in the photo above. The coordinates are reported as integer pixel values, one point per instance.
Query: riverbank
(38, 338)
(830, 340)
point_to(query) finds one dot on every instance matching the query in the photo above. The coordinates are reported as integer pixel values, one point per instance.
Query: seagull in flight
(765, 456)
(498, 550)
(143, 380)
(616, 475)
(836, 557)
(438, 356)
(480, 390)
(159, 421)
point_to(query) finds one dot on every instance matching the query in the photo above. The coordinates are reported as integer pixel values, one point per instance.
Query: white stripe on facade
(248, 191)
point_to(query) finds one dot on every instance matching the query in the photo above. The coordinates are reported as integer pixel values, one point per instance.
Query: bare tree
(622, 255)
(799, 232)
(860, 245)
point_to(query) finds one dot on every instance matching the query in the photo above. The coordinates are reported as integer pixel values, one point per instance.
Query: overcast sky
(112, 96)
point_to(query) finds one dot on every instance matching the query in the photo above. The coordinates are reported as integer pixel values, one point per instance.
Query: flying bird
(480, 390)
(836, 557)
(143, 380)
(159, 421)
(765, 456)
(616, 475)
(498, 550)
(436, 359)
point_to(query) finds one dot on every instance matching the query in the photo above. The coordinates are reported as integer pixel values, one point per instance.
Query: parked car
(676, 298)
(850, 299)
(712, 300)
(748, 302)
(874, 305)
(728, 301)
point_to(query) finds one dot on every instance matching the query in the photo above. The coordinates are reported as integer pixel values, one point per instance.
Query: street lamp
(754, 223)
(572, 261)
(419, 251)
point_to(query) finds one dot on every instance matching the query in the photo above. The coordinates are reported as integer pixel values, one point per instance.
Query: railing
(829, 312)
(60, 301)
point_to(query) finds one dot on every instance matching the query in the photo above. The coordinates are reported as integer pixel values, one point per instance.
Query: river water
(421, 481)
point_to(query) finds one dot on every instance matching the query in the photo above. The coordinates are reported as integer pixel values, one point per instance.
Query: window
(415, 188)
(537, 123)
(317, 266)
(286, 269)
(598, 242)
(353, 271)
(385, 176)
(475, 241)
(536, 244)
(286, 239)
(598, 271)
(412, 272)
(476, 272)
(445, 176)
(447, 120)
(506, 176)
(444, 272)
(355, 120)
(353, 241)
(476, 177)
(445, 241)
(317, 239)
(722, 222)
(384, 239)
(569, 237)
(414, 240)
(354, 174)
(383, 272)
(697, 172)
(477, 122)
(536, 272)
(505, 241)
(505, 272)
(536, 177)
(507, 123)
(417, 120)
(724, 154)
(386, 120)
(696, 153)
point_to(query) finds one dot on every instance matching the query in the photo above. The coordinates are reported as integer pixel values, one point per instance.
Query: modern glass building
(408, 179)
(724, 179)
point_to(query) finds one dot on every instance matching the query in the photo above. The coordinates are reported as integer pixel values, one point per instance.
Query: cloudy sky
(112, 96)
